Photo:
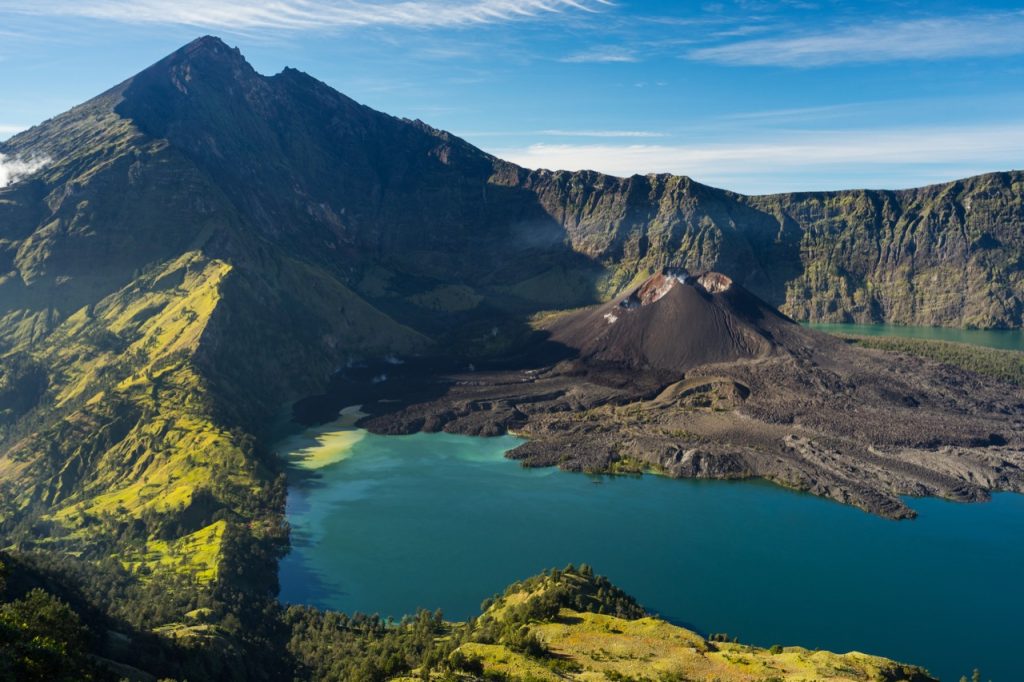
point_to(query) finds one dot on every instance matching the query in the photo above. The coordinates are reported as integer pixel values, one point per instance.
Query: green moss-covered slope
(560, 625)
(1002, 365)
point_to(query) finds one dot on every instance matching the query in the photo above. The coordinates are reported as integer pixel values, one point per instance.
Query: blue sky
(749, 95)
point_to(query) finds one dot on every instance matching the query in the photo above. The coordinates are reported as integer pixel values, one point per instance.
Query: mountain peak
(205, 70)
(207, 57)
(210, 45)
(658, 285)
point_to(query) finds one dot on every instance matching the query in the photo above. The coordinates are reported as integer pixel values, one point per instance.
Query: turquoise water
(1006, 339)
(436, 520)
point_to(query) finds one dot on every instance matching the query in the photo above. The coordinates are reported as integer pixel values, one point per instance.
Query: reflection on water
(1006, 339)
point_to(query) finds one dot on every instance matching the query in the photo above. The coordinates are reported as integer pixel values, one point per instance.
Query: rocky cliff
(946, 255)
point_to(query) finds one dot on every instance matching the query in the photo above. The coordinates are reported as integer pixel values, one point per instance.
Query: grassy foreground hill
(560, 625)
(572, 625)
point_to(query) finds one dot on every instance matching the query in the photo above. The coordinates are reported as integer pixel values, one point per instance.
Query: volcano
(675, 321)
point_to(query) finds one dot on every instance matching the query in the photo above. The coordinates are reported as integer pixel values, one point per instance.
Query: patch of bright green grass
(1002, 365)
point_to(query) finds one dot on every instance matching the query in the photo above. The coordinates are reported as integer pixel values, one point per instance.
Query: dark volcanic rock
(697, 378)
(675, 322)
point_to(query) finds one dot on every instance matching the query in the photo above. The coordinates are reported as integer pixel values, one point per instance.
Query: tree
(42, 639)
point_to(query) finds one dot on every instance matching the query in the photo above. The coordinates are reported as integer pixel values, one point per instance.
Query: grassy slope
(146, 332)
(599, 647)
(130, 429)
(1002, 365)
(603, 637)
(127, 400)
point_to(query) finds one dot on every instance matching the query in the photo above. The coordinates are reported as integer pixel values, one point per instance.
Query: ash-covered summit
(676, 321)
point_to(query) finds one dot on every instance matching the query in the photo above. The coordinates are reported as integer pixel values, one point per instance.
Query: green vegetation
(333, 646)
(165, 626)
(42, 640)
(1002, 365)
(575, 625)
(148, 461)
(561, 625)
(625, 465)
(945, 255)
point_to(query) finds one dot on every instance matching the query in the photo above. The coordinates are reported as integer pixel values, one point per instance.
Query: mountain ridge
(618, 230)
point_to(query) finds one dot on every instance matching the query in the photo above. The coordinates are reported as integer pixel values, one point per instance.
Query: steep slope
(131, 418)
(372, 198)
(942, 255)
(148, 330)
(945, 255)
(407, 208)
(108, 203)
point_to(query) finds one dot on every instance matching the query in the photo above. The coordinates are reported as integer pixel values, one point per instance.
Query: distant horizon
(753, 97)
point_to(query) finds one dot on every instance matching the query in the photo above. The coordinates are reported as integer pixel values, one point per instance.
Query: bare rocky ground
(800, 408)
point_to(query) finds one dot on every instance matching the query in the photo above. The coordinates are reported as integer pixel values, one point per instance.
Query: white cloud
(804, 161)
(789, 115)
(300, 14)
(601, 133)
(980, 35)
(603, 54)
(9, 129)
(13, 168)
(555, 132)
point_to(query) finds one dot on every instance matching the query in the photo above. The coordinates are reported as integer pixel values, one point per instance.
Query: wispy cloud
(9, 129)
(756, 166)
(603, 54)
(301, 14)
(793, 114)
(556, 132)
(14, 168)
(601, 133)
(979, 35)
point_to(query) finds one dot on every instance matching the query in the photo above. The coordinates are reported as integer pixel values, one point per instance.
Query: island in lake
(695, 377)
